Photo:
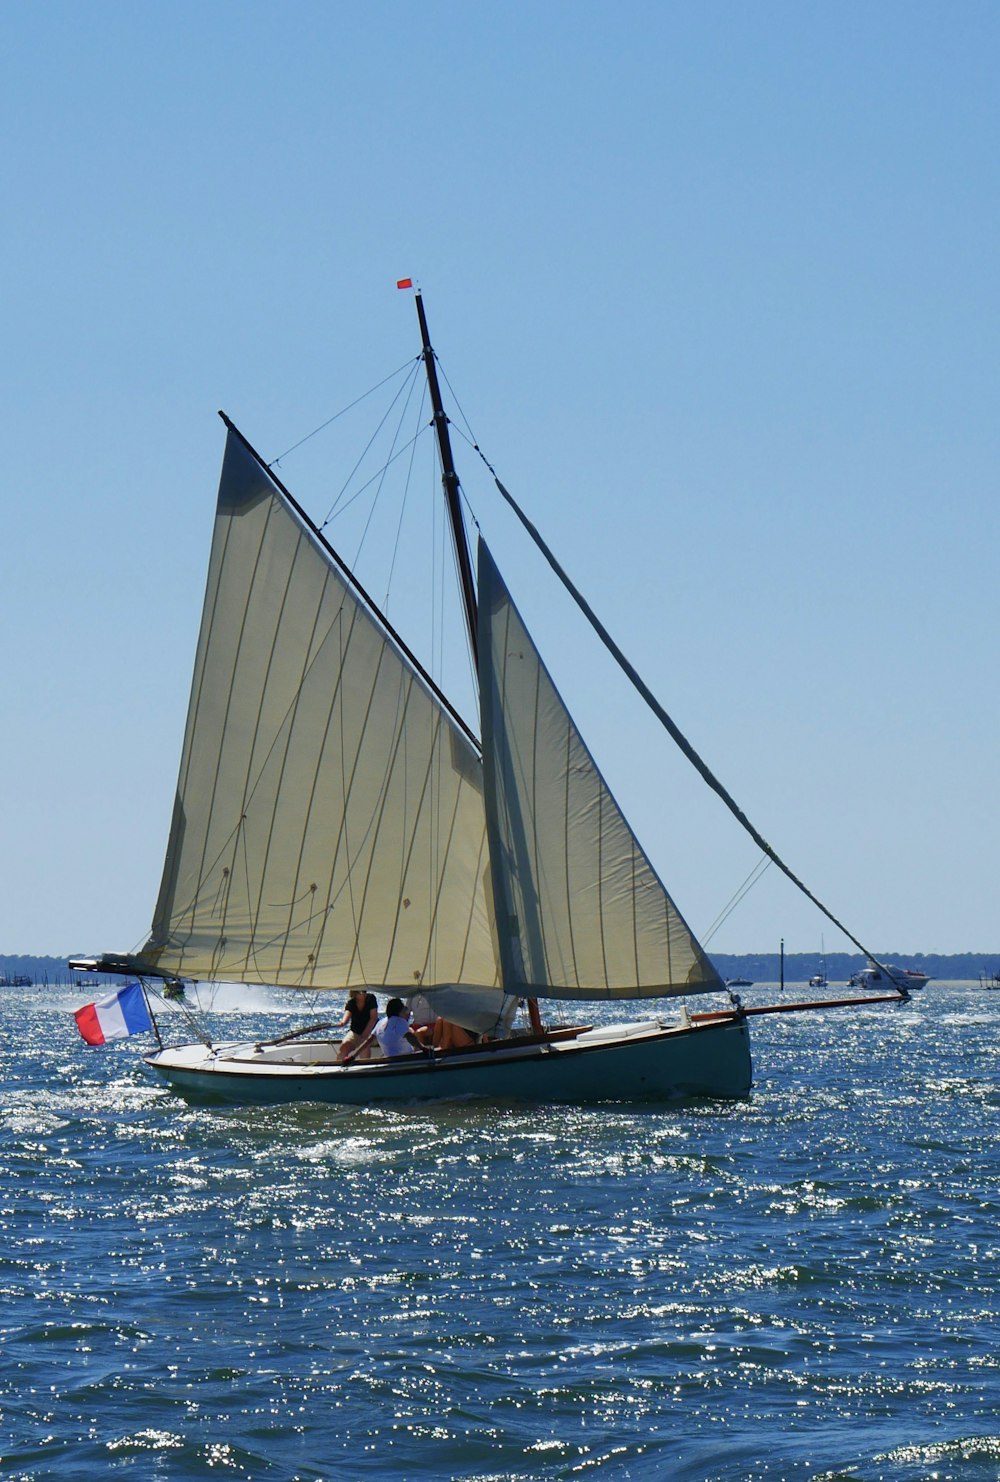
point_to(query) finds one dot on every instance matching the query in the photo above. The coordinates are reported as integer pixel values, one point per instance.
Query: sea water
(801, 1285)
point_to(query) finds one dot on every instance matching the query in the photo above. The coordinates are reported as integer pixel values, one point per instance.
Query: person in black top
(362, 1011)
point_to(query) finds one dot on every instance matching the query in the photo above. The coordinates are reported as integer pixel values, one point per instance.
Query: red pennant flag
(404, 282)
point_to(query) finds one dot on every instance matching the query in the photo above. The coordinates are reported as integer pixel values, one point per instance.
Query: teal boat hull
(632, 1063)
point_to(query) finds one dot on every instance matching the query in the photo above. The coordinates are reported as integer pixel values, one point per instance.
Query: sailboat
(337, 825)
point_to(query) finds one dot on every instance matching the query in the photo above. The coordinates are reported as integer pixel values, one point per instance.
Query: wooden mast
(449, 480)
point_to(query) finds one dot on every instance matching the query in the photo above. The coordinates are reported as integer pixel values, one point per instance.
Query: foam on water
(800, 1286)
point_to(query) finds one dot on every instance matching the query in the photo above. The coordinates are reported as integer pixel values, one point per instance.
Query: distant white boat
(819, 980)
(907, 979)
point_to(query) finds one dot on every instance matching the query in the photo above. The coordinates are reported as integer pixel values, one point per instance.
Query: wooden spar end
(801, 1008)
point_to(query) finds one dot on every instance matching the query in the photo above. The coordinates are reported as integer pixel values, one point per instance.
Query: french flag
(115, 1017)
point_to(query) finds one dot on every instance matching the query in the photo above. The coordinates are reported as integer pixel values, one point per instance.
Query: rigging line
(379, 473)
(186, 913)
(182, 1008)
(369, 604)
(252, 916)
(276, 462)
(754, 877)
(381, 476)
(471, 437)
(437, 643)
(384, 419)
(439, 537)
(470, 657)
(280, 730)
(738, 898)
(747, 884)
(257, 949)
(471, 443)
(471, 511)
(469, 654)
(253, 782)
(677, 736)
(402, 506)
(464, 498)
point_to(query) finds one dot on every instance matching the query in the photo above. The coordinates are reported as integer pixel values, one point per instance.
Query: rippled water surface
(801, 1286)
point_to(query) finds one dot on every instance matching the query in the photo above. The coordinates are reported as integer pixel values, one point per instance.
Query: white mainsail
(580, 911)
(329, 827)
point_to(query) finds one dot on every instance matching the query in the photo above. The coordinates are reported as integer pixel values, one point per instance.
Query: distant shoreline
(759, 967)
(765, 967)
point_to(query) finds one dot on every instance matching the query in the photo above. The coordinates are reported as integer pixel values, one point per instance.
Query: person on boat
(394, 1033)
(431, 1029)
(362, 1011)
(449, 1036)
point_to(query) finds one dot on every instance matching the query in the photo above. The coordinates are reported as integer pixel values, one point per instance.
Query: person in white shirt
(393, 1033)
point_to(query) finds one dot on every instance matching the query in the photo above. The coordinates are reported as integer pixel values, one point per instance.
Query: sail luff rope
(676, 735)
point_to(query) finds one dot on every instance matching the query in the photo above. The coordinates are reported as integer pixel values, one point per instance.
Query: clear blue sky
(716, 286)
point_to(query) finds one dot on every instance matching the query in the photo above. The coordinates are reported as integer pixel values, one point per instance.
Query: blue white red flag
(120, 1014)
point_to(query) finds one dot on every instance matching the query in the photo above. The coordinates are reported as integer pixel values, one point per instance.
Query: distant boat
(16, 981)
(739, 982)
(988, 979)
(819, 980)
(905, 978)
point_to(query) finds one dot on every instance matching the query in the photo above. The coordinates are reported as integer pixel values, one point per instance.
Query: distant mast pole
(449, 479)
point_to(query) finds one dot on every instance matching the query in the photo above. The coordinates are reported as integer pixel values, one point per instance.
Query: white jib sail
(580, 911)
(329, 826)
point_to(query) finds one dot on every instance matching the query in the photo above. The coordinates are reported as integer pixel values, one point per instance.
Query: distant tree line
(759, 967)
(765, 967)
